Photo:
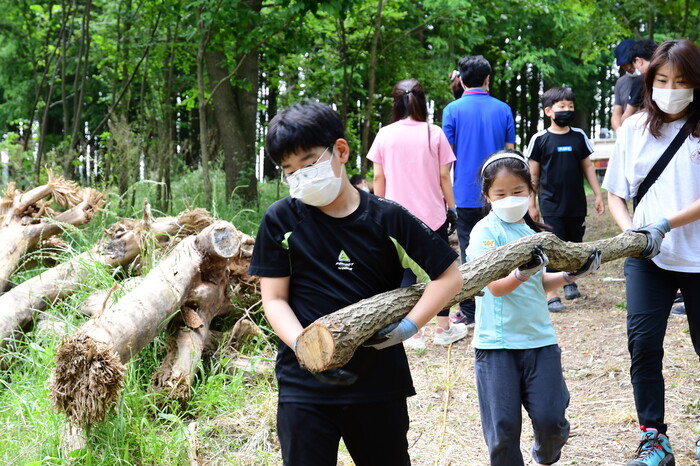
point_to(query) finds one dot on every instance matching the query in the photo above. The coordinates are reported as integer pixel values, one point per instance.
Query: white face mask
(315, 185)
(511, 209)
(672, 101)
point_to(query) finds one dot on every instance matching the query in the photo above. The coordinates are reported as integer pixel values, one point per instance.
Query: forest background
(169, 100)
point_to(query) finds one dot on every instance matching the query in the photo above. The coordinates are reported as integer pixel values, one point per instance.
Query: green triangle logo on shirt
(343, 257)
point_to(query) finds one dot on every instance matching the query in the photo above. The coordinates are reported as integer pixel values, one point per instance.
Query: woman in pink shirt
(412, 163)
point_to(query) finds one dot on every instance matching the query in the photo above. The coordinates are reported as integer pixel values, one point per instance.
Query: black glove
(591, 265)
(451, 220)
(538, 262)
(336, 377)
(655, 233)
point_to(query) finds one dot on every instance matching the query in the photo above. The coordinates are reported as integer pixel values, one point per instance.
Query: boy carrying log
(322, 248)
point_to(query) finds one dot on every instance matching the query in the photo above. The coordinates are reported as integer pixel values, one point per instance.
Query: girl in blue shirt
(518, 361)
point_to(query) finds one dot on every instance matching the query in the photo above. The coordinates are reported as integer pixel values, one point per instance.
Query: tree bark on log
(19, 305)
(27, 219)
(331, 340)
(90, 363)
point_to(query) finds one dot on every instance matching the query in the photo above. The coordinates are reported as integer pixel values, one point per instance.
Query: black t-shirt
(637, 91)
(334, 262)
(561, 174)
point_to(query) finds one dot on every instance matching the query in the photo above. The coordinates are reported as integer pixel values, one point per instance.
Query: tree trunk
(26, 221)
(202, 100)
(79, 89)
(235, 109)
(90, 363)
(371, 81)
(331, 340)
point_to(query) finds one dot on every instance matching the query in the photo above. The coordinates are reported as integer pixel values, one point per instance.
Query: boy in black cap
(623, 85)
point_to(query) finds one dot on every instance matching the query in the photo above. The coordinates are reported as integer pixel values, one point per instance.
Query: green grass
(234, 416)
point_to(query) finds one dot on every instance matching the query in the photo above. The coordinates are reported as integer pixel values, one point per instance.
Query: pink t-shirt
(411, 161)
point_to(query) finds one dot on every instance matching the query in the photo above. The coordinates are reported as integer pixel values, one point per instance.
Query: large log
(19, 305)
(208, 300)
(331, 340)
(90, 363)
(27, 218)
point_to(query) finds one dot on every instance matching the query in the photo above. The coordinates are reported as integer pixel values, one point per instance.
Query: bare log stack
(331, 340)
(90, 363)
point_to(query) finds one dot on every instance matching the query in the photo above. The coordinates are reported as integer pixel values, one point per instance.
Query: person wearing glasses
(326, 246)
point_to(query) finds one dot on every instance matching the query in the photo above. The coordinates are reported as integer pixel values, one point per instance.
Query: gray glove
(392, 334)
(655, 233)
(538, 262)
(451, 220)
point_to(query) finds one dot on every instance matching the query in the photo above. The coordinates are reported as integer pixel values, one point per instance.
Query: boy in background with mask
(559, 159)
(326, 246)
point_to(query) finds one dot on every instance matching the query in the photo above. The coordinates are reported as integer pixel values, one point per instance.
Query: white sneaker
(417, 342)
(455, 333)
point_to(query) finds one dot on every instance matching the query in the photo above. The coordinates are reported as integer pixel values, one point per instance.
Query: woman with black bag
(656, 163)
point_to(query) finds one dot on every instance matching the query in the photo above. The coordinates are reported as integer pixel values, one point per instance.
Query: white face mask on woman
(672, 101)
(316, 184)
(511, 209)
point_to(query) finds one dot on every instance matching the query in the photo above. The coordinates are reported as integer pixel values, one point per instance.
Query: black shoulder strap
(661, 164)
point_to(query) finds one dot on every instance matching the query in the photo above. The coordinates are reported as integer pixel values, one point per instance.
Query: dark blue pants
(466, 219)
(409, 278)
(374, 433)
(650, 294)
(507, 380)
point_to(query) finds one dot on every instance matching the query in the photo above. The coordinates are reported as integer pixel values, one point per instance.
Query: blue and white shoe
(654, 450)
(697, 450)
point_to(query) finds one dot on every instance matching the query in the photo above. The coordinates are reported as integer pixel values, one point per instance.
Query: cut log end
(315, 348)
(219, 240)
(87, 379)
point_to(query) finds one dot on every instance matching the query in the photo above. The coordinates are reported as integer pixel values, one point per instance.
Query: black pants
(409, 278)
(650, 294)
(374, 433)
(567, 229)
(466, 219)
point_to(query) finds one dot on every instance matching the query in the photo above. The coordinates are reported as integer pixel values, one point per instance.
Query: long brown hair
(684, 56)
(409, 101)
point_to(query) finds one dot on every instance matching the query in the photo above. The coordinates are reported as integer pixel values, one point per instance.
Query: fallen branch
(331, 340)
(90, 363)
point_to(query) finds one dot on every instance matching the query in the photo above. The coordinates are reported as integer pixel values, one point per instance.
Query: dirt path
(445, 426)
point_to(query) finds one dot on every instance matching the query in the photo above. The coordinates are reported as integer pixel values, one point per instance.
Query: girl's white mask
(672, 101)
(511, 209)
(315, 185)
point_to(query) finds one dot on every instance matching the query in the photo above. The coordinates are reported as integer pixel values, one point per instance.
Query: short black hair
(356, 179)
(643, 49)
(556, 94)
(302, 126)
(473, 70)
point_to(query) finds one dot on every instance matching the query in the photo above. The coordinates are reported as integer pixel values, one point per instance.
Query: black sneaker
(678, 298)
(678, 310)
(571, 291)
(460, 317)
(555, 305)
